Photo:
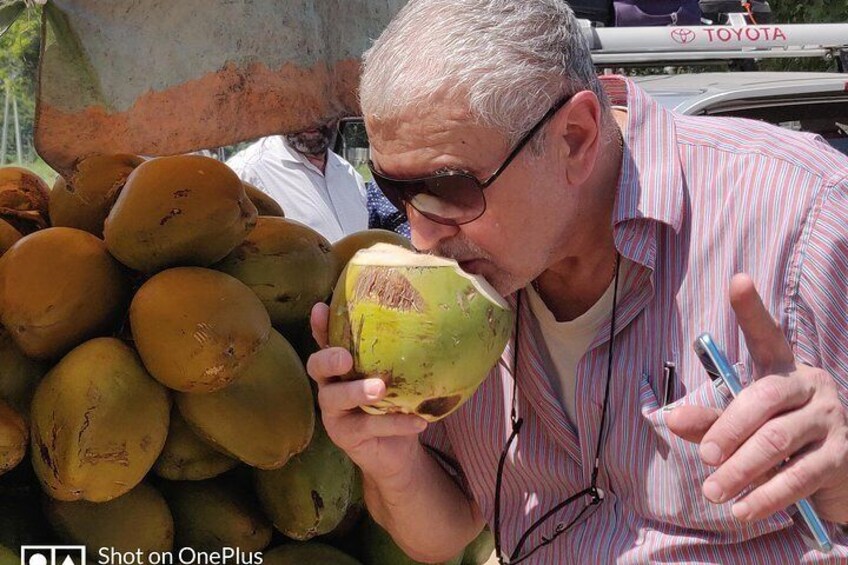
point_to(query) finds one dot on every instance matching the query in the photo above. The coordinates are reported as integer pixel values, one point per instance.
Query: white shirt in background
(332, 203)
(567, 342)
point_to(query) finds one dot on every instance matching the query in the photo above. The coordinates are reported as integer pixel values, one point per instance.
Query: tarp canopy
(159, 77)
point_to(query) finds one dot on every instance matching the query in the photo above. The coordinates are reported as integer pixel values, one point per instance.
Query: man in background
(314, 185)
(384, 215)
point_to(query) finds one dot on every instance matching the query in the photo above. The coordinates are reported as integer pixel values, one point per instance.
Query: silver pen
(723, 373)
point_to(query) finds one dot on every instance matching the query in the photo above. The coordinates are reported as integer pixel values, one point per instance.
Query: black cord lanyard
(596, 495)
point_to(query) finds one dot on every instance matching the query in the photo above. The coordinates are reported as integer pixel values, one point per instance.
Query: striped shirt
(699, 199)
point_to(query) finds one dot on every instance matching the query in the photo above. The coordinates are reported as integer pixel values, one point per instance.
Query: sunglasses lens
(451, 199)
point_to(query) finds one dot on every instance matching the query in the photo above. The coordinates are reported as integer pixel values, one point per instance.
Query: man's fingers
(319, 318)
(770, 446)
(691, 422)
(328, 364)
(756, 405)
(763, 336)
(343, 396)
(799, 479)
(391, 425)
(355, 429)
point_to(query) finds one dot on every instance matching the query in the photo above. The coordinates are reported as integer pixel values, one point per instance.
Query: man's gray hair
(509, 60)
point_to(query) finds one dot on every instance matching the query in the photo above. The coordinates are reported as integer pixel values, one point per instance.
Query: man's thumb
(691, 422)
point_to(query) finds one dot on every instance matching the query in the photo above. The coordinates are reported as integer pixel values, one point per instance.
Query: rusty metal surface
(159, 77)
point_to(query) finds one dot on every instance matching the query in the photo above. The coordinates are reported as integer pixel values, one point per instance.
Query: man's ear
(576, 129)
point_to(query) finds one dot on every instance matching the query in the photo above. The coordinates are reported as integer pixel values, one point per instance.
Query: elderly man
(307, 179)
(620, 231)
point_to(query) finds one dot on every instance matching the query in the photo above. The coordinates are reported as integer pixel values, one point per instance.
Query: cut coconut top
(388, 255)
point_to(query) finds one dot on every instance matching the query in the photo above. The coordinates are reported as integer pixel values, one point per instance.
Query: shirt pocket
(675, 474)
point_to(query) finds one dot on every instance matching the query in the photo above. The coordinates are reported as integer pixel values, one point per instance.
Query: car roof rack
(711, 44)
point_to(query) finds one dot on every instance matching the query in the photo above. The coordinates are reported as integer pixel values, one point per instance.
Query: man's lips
(473, 266)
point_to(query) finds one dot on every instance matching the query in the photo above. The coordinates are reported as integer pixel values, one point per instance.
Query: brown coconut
(196, 328)
(186, 210)
(186, 457)
(210, 516)
(265, 205)
(14, 436)
(24, 199)
(19, 375)
(265, 416)
(84, 199)
(58, 288)
(138, 522)
(8, 236)
(288, 265)
(98, 423)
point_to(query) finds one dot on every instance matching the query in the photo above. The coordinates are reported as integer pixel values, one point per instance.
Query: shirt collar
(651, 185)
(289, 155)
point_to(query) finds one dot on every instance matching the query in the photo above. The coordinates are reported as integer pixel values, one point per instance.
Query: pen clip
(669, 374)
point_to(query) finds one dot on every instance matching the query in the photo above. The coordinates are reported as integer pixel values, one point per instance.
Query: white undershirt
(567, 342)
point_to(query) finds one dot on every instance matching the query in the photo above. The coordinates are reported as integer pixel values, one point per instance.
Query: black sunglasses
(451, 198)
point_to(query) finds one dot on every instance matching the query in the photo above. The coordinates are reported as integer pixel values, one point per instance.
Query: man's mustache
(460, 250)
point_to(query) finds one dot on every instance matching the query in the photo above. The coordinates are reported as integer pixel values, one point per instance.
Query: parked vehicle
(808, 101)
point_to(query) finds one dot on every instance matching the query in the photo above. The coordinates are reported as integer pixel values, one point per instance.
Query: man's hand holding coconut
(414, 338)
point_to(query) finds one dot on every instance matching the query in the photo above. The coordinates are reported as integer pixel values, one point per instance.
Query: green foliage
(814, 11)
(39, 167)
(364, 171)
(19, 48)
(8, 14)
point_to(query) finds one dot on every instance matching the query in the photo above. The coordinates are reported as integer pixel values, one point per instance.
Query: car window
(826, 118)
(671, 100)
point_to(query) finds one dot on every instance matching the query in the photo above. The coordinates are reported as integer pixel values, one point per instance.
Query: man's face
(527, 207)
(314, 141)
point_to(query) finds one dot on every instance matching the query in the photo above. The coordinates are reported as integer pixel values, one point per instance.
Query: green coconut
(14, 436)
(186, 457)
(175, 211)
(208, 516)
(58, 288)
(346, 247)
(8, 556)
(310, 553)
(98, 423)
(196, 328)
(288, 265)
(429, 330)
(265, 416)
(479, 551)
(137, 521)
(378, 548)
(312, 493)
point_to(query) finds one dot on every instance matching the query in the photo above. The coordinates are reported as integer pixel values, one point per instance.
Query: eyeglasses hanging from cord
(594, 494)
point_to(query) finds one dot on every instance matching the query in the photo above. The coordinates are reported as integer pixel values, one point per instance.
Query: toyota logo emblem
(683, 36)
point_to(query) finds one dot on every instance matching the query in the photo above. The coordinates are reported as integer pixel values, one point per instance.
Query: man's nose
(426, 234)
